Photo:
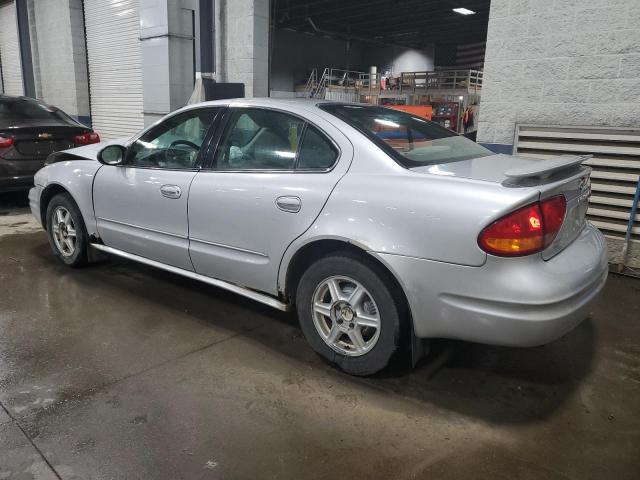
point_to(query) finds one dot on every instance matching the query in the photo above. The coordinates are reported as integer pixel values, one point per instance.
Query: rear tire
(66, 231)
(350, 313)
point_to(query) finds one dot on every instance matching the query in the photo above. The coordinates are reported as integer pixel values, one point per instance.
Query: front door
(141, 206)
(271, 175)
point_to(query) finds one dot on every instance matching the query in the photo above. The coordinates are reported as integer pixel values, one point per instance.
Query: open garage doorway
(425, 56)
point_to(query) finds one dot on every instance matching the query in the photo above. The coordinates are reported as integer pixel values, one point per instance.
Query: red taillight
(6, 142)
(527, 230)
(86, 138)
(553, 211)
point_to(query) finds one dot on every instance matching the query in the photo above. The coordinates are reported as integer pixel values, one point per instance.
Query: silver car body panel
(519, 302)
(245, 292)
(422, 224)
(134, 215)
(223, 203)
(573, 183)
(403, 214)
(76, 177)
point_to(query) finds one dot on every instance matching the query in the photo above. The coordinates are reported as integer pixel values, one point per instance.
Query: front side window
(258, 139)
(410, 140)
(175, 143)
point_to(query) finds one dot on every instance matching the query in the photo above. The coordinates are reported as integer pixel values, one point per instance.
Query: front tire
(66, 231)
(350, 313)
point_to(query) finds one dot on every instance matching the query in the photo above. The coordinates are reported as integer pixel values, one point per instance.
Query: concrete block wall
(244, 44)
(561, 62)
(59, 55)
(568, 62)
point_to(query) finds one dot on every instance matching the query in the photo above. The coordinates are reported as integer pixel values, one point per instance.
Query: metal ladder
(315, 88)
(311, 84)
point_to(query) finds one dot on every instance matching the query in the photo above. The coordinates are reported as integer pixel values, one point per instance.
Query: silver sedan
(380, 228)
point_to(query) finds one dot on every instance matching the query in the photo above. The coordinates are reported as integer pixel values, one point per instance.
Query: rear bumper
(18, 174)
(16, 182)
(516, 302)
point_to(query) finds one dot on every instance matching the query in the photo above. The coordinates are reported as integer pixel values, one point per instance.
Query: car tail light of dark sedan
(5, 142)
(86, 138)
(528, 230)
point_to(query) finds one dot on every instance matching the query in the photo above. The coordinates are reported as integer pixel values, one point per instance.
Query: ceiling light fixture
(464, 11)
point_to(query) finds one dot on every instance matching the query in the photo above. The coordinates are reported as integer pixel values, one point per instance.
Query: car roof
(300, 106)
(265, 101)
(293, 105)
(21, 97)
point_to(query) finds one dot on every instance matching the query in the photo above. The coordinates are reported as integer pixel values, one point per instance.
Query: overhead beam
(417, 21)
(445, 16)
(362, 9)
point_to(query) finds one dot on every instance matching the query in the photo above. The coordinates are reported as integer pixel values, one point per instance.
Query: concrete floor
(121, 371)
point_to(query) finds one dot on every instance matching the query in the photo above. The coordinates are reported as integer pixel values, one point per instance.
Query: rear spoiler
(545, 168)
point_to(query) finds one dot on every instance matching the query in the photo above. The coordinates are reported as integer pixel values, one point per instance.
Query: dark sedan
(29, 131)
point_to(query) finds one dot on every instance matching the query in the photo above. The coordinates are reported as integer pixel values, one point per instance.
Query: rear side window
(258, 139)
(316, 152)
(411, 141)
(261, 139)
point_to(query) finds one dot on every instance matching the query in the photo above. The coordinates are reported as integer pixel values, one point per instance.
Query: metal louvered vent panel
(115, 66)
(615, 164)
(10, 50)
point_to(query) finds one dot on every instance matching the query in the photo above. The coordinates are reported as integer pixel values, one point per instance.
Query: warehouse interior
(382, 53)
(141, 364)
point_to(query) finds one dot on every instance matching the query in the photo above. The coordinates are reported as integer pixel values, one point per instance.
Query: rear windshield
(29, 109)
(411, 141)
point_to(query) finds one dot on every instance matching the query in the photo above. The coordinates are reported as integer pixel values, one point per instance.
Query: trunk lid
(40, 140)
(563, 175)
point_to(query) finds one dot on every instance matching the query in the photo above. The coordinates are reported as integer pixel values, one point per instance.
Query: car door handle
(289, 204)
(170, 191)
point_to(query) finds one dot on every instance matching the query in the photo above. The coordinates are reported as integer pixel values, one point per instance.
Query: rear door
(141, 207)
(269, 179)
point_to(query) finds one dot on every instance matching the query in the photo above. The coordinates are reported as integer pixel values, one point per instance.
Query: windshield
(410, 140)
(29, 109)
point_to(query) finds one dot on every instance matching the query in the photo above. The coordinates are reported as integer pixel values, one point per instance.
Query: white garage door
(10, 50)
(115, 69)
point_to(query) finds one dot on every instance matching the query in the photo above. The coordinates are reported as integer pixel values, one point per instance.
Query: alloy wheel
(346, 316)
(64, 231)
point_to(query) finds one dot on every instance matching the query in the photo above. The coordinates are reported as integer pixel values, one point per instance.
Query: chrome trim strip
(142, 228)
(221, 245)
(245, 292)
(290, 171)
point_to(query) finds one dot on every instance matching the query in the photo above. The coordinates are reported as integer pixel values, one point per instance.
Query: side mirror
(112, 155)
